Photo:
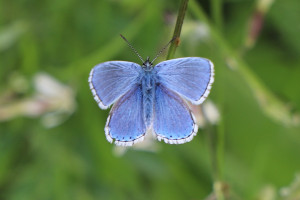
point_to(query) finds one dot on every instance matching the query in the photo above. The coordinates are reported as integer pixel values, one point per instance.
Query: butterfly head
(147, 65)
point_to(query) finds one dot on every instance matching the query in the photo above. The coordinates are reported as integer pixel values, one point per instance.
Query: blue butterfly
(147, 97)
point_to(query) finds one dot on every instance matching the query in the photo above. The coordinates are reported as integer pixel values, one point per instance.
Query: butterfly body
(151, 98)
(148, 88)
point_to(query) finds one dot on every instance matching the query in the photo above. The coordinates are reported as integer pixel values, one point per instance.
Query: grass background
(256, 91)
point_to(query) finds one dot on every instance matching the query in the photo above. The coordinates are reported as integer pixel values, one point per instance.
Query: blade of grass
(216, 8)
(272, 106)
(81, 67)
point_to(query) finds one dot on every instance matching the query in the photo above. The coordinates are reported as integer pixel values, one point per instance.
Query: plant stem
(178, 27)
(216, 143)
(216, 8)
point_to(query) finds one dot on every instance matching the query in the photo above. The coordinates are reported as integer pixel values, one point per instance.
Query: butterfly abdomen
(148, 88)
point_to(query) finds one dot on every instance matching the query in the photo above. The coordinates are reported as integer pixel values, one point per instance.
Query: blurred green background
(52, 141)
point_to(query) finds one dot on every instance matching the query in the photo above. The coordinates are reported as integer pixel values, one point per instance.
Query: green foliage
(52, 141)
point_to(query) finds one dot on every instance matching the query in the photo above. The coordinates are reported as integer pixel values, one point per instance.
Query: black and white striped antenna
(162, 50)
(133, 49)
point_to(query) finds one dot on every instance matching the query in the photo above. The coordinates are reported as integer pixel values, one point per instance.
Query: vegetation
(52, 141)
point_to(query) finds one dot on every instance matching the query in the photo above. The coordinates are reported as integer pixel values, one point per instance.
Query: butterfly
(147, 97)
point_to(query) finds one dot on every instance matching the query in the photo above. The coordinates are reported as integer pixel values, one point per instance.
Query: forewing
(110, 80)
(173, 122)
(125, 122)
(190, 77)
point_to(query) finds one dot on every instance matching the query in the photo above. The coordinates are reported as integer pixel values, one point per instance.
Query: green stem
(216, 143)
(178, 27)
(216, 8)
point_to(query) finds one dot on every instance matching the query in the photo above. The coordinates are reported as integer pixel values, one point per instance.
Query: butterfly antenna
(133, 49)
(162, 50)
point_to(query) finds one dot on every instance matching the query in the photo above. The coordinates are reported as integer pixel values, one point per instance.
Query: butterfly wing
(125, 123)
(110, 80)
(190, 77)
(173, 122)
